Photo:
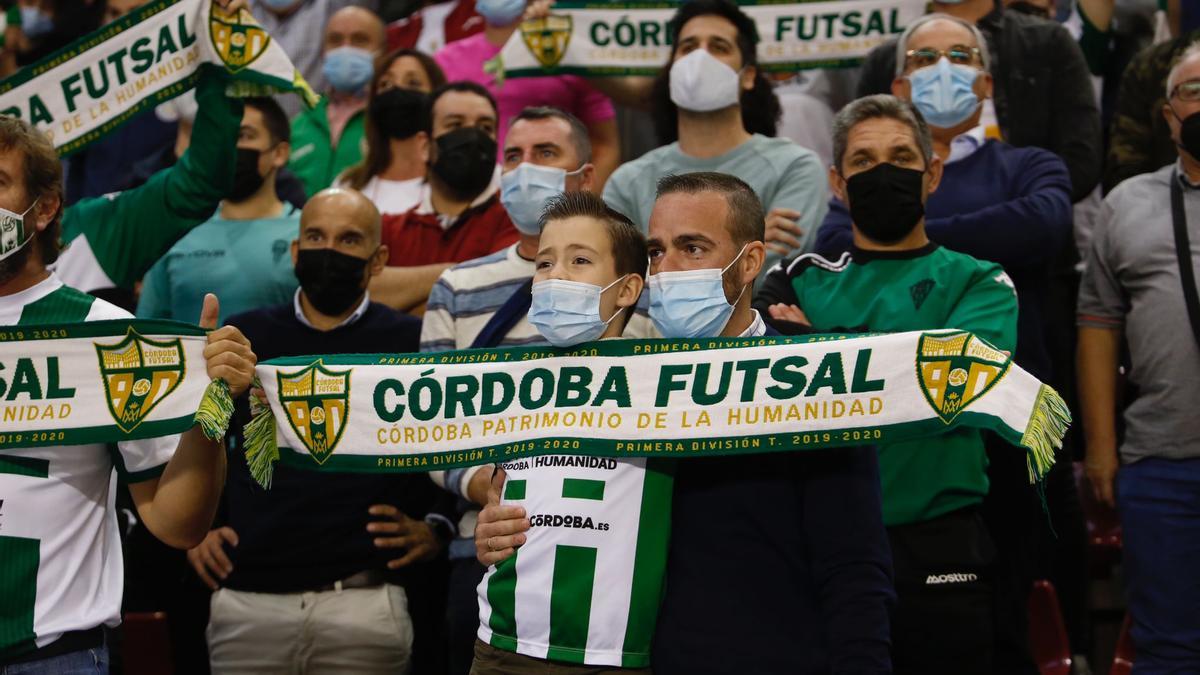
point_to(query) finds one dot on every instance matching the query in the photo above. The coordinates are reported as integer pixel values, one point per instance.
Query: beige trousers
(359, 630)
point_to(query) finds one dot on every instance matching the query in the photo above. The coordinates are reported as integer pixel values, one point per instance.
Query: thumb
(210, 311)
(497, 486)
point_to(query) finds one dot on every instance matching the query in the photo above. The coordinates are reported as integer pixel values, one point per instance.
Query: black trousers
(944, 618)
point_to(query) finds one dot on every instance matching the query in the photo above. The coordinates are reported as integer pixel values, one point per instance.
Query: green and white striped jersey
(586, 586)
(60, 554)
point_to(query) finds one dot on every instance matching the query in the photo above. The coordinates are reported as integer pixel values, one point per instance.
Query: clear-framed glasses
(927, 56)
(1187, 91)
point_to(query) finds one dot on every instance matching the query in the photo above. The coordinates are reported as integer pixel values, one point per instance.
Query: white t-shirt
(60, 553)
(391, 196)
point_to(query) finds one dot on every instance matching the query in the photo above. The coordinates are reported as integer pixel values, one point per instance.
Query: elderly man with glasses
(1006, 205)
(1139, 287)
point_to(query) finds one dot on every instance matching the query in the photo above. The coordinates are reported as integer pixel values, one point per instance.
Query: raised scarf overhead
(153, 54)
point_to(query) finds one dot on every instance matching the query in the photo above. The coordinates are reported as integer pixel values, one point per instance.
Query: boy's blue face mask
(567, 313)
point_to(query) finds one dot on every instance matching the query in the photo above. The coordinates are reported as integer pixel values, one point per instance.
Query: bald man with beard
(326, 573)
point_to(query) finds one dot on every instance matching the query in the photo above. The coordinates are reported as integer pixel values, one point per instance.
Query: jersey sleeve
(129, 231)
(145, 459)
(988, 308)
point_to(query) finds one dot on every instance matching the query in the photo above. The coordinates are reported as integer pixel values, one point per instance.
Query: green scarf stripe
(96, 329)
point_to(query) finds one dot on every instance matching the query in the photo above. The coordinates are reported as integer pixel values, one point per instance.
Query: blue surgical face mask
(348, 69)
(944, 93)
(567, 313)
(500, 12)
(692, 303)
(35, 23)
(525, 190)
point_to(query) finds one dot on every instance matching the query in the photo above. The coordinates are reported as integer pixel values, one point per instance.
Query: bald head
(355, 27)
(343, 208)
(337, 225)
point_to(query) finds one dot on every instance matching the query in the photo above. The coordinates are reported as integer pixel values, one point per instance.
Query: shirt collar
(965, 144)
(354, 316)
(1183, 179)
(757, 327)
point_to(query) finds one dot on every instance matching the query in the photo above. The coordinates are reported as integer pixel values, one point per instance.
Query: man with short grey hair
(1139, 287)
(893, 278)
(1010, 206)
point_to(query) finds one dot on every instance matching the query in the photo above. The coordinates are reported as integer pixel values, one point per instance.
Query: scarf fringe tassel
(262, 450)
(1044, 433)
(216, 407)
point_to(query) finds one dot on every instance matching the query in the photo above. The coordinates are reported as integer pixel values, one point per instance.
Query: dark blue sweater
(310, 528)
(1008, 205)
(778, 564)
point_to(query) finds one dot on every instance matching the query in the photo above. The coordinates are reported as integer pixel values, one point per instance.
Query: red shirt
(417, 237)
(433, 27)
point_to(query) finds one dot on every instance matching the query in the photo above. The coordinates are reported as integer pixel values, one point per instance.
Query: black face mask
(885, 202)
(400, 113)
(1189, 133)
(466, 160)
(331, 280)
(246, 178)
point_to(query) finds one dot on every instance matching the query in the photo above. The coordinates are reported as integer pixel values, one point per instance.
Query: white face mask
(14, 234)
(701, 83)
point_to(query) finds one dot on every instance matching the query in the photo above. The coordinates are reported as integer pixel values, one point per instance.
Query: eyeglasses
(1187, 91)
(958, 54)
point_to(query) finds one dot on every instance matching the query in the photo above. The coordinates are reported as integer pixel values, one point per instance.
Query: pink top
(463, 60)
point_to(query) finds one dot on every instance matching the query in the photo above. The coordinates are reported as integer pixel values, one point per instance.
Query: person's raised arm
(606, 149)
(127, 232)
(179, 505)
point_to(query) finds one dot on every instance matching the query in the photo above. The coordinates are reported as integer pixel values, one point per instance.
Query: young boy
(587, 596)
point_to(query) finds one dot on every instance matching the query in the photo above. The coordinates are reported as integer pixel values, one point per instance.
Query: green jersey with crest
(923, 289)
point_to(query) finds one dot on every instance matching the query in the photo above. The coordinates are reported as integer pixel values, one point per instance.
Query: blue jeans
(82, 662)
(1159, 505)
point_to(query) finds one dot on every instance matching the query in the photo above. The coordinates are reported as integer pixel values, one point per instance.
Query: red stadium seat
(1123, 658)
(1103, 528)
(1047, 634)
(147, 646)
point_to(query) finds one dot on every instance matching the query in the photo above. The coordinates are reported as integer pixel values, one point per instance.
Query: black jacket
(778, 564)
(1044, 95)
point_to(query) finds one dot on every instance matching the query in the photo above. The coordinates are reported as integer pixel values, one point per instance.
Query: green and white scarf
(643, 398)
(106, 381)
(592, 37)
(94, 85)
